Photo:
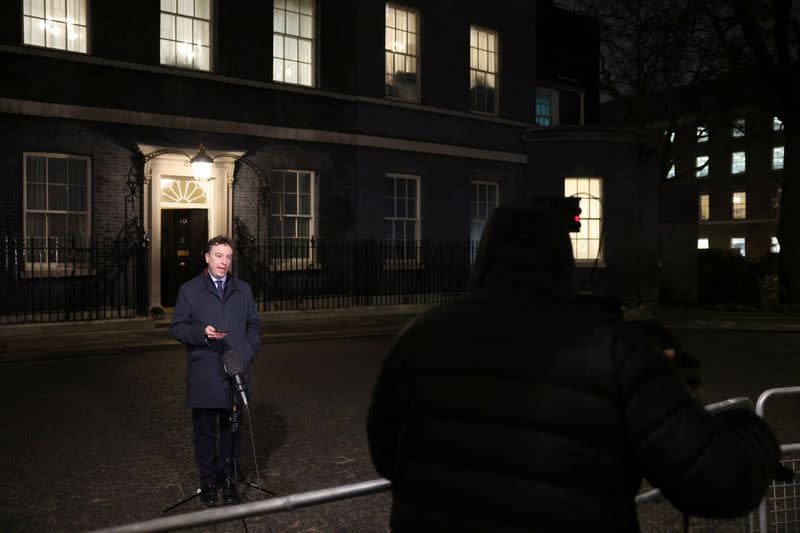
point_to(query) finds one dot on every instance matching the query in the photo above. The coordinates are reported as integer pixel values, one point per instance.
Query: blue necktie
(220, 288)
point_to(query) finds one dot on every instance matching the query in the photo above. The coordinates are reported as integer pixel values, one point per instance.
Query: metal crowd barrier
(245, 510)
(780, 509)
(782, 499)
(656, 514)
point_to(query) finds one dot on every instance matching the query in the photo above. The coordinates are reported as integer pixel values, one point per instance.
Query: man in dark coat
(519, 408)
(215, 313)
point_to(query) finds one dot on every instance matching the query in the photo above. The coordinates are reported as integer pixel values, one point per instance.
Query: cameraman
(517, 407)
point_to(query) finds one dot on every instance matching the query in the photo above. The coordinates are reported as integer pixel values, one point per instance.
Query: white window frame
(590, 190)
(702, 166)
(705, 206)
(703, 243)
(738, 129)
(295, 263)
(476, 198)
(395, 49)
(54, 22)
(188, 48)
(735, 241)
(407, 261)
(476, 71)
(287, 44)
(554, 101)
(739, 205)
(778, 154)
(702, 134)
(56, 265)
(738, 162)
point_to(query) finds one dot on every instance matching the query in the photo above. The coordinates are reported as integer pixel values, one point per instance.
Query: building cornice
(266, 131)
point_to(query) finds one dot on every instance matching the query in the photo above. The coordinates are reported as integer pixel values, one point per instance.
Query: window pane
(305, 204)
(304, 228)
(292, 23)
(57, 197)
(186, 7)
(34, 8)
(202, 9)
(305, 74)
(56, 170)
(35, 225)
(304, 51)
(168, 52)
(36, 196)
(278, 21)
(167, 26)
(183, 29)
(201, 32)
(277, 69)
(306, 27)
(290, 204)
(56, 225)
(77, 228)
(169, 5)
(305, 182)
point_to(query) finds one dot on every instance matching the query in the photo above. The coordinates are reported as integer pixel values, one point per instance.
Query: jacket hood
(527, 248)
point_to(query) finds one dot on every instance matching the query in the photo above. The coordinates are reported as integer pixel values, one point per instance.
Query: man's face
(219, 260)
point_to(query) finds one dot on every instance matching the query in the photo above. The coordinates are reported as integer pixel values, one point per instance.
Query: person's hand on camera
(212, 333)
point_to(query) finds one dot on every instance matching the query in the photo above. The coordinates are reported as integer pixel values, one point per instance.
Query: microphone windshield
(233, 363)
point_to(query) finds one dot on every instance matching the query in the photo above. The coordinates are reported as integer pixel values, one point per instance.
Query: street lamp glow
(201, 165)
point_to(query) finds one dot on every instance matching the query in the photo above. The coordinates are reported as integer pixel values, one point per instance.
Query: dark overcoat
(198, 306)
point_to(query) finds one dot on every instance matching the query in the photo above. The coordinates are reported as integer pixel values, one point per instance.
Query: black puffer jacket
(517, 408)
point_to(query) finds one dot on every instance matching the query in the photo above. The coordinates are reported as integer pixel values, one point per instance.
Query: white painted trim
(274, 86)
(218, 191)
(156, 120)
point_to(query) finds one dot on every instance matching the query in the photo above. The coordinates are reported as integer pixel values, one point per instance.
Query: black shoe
(208, 493)
(229, 493)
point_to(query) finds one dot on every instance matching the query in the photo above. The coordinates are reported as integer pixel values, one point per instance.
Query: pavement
(41, 341)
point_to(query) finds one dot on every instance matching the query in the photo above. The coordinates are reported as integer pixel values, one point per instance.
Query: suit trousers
(215, 451)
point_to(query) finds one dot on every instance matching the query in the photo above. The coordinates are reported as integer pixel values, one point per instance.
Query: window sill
(589, 263)
(56, 270)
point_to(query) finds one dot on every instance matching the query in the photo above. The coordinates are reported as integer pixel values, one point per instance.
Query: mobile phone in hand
(220, 330)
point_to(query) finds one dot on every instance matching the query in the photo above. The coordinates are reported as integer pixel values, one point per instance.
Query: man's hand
(212, 333)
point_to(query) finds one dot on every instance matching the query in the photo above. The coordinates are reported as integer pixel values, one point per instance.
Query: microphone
(233, 367)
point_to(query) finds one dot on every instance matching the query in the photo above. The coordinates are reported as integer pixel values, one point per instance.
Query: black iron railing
(61, 280)
(288, 274)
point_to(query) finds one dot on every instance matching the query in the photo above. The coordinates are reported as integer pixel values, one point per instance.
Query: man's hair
(219, 239)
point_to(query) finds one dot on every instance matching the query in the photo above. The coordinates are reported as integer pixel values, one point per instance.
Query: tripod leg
(195, 495)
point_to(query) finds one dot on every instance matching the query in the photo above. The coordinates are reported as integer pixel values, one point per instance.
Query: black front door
(184, 234)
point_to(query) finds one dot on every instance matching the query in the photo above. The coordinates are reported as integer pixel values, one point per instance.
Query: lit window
(544, 108)
(401, 78)
(186, 33)
(293, 41)
(738, 128)
(737, 243)
(59, 24)
(483, 70)
(777, 158)
(774, 245)
(739, 205)
(586, 243)
(704, 207)
(738, 162)
(401, 225)
(777, 124)
(671, 171)
(483, 200)
(670, 135)
(292, 208)
(702, 243)
(702, 134)
(701, 164)
(56, 204)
